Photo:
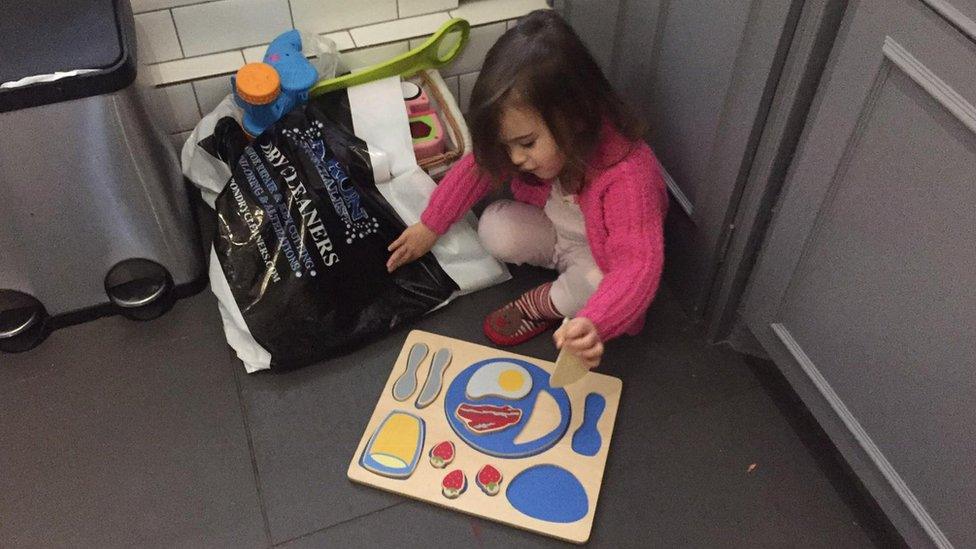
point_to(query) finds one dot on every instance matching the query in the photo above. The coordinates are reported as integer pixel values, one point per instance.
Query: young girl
(589, 197)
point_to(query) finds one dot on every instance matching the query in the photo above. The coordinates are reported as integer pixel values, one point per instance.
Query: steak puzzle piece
(487, 418)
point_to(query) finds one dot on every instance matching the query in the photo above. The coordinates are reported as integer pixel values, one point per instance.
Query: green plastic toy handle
(426, 56)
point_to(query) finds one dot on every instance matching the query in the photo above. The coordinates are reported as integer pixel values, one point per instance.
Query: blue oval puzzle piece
(586, 439)
(549, 493)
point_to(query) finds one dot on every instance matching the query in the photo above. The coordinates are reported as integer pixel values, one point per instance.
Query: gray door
(701, 73)
(865, 290)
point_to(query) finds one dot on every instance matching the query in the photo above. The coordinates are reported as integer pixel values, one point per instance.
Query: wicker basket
(458, 136)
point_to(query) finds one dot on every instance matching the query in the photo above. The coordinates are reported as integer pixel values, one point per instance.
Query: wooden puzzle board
(425, 481)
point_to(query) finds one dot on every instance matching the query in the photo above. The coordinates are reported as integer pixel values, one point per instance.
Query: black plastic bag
(302, 239)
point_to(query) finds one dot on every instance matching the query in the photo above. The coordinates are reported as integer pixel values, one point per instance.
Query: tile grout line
(178, 39)
(240, 51)
(196, 99)
(346, 30)
(195, 3)
(250, 449)
(291, 14)
(193, 88)
(451, 12)
(341, 522)
(203, 2)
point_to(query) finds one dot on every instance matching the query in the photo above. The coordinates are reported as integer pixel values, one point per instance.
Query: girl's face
(530, 144)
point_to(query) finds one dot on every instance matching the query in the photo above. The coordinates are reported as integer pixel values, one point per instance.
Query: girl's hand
(581, 338)
(412, 243)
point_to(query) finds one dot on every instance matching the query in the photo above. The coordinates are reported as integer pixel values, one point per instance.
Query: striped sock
(521, 320)
(536, 304)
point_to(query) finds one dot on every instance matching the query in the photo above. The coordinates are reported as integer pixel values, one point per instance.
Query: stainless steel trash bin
(94, 212)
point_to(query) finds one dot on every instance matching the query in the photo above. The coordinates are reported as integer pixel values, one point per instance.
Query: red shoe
(508, 326)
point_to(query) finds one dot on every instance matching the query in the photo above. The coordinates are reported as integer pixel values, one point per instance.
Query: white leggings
(515, 232)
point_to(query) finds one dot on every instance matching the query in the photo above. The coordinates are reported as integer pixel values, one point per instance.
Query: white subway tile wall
(466, 84)
(211, 91)
(176, 108)
(481, 40)
(191, 46)
(229, 24)
(156, 37)
(479, 12)
(362, 58)
(400, 29)
(139, 6)
(178, 139)
(342, 41)
(193, 68)
(452, 85)
(409, 8)
(254, 54)
(330, 15)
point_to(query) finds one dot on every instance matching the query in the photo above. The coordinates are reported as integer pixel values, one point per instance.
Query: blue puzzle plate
(501, 443)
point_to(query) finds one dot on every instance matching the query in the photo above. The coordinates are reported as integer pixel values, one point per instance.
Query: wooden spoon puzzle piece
(548, 492)
(586, 439)
(454, 484)
(435, 378)
(395, 448)
(569, 368)
(489, 480)
(407, 382)
(442, 454)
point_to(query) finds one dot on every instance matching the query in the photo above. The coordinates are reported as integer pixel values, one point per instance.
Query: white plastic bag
(321, 51)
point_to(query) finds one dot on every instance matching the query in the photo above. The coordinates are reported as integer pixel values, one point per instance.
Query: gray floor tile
(669, 367)
(118, 433)
(682, 482)
(413, 524)
(685, 481)
(307, 423)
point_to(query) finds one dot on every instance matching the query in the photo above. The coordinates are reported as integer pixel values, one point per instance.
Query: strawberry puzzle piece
(442, 454)
(489, 480)
(454, 484)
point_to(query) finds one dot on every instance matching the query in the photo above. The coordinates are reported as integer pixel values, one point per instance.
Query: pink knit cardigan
(624, 202)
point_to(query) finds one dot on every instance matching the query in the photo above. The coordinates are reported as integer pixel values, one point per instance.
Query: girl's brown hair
(543, 64)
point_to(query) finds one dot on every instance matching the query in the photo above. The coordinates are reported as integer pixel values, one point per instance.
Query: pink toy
(425, 126)
(415, 97)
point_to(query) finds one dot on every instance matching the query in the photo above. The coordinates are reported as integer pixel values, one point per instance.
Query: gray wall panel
(701, 74)
(863, 292)
(674, 62)
(690, 84)
(883, 302)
